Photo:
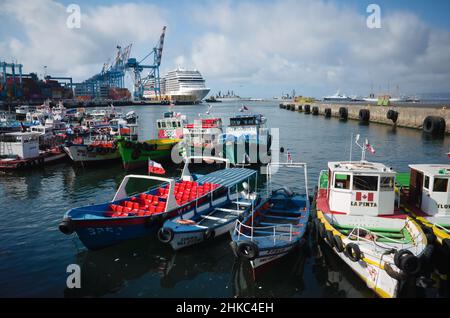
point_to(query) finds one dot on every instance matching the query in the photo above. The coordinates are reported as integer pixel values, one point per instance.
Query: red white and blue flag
(155, 168)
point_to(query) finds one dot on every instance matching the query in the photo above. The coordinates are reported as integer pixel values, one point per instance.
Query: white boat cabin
(171, 126)
(24, 145)
(361, 188)
(429, 188)
(248, 125)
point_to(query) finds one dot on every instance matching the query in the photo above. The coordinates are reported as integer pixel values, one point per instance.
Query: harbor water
(34, 255)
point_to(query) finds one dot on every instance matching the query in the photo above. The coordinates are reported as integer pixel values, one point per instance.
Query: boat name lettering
(443, 206)
(364, 204)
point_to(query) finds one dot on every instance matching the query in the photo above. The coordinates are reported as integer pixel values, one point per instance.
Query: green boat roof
(402, 179)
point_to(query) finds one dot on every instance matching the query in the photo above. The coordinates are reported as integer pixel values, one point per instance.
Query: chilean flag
(154, 167)
(370, 148)
(362, 196)
(243, 108)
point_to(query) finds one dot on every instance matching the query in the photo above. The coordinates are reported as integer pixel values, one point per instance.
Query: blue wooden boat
(130, 217)
(183, 231)
(275, 227)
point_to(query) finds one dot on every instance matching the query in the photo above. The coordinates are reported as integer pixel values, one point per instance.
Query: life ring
(247, 250)
(209, 234)
(407, 261)
(353, 252)
(165, 235)
(338, 243)
(395, 275)
(136, 154)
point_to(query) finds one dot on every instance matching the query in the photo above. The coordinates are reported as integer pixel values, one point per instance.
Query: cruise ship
(180, 86)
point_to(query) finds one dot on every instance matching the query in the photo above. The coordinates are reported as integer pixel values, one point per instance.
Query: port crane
(137, 67)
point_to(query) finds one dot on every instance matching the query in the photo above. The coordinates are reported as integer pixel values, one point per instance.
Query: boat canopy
(228, 177)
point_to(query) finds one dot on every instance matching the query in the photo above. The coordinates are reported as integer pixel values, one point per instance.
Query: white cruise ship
(180, 86)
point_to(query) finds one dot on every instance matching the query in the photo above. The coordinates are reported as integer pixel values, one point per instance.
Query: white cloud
(46, 40)
(319, 46)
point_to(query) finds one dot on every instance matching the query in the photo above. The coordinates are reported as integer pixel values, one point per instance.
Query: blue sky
(258, 48)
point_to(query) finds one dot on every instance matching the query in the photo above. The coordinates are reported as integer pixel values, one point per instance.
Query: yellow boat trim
(440, 234)
(379, 291)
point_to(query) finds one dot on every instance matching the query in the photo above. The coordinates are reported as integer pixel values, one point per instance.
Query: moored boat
(247, 140)
(425, 194)
(358, 218)
(276, 226)
(21, 150)
(130, 217)
(187, 230)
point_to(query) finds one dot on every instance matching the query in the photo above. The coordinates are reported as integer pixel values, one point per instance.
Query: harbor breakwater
(431, 120)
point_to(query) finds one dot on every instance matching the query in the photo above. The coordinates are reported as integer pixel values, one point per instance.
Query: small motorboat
(358, 218)
(129, 217)
(425, 194)
(181, 232)
(276, 226)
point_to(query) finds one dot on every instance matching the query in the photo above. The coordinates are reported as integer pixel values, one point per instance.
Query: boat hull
(82, 154)
(257, 153)
(44, 159)
(136, 155)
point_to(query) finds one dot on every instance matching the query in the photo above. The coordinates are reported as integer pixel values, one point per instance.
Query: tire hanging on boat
(209, 234)
(329, 237)
(66, 226)
(247, 250)
(400, 276)
(353, 252)
(338, 243)
(407, 262)
(165, 235)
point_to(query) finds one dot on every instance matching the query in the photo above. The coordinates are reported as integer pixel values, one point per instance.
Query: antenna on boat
(351, 147)
(363, 148)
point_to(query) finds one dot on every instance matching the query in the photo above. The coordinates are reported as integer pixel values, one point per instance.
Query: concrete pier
(430, 119)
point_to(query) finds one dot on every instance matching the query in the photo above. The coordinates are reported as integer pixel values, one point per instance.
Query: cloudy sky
(258, 48)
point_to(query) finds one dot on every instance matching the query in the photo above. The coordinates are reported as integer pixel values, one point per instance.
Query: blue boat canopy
(228, 177)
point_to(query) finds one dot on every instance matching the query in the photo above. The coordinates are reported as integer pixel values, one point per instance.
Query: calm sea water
(34, 255)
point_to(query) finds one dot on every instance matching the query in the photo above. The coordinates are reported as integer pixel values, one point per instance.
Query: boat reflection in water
(111, 270)
(267, 281)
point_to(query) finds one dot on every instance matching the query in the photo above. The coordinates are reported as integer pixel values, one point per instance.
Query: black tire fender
(338, 244)
(66, 226)
(247, 250)
(209, 234)
(407, 262)
(353, 252)
(400, 276)
(329, 237)
(434, 125)
(165, 235)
